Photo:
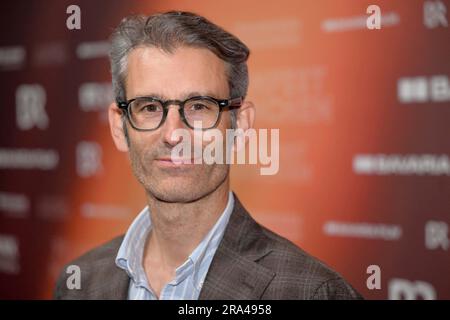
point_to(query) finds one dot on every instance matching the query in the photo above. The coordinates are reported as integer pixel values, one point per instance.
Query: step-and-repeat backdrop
(363, 114)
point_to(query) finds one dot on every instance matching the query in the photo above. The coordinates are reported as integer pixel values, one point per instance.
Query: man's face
(184, 73)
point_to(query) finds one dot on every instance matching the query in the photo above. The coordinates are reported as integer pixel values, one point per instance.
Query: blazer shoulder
(100, 253)
(91, 264)
(301, 274)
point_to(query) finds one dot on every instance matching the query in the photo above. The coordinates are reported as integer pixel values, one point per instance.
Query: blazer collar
(234, 272)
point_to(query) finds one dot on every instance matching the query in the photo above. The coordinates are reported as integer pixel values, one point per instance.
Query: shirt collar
(130, 254)
(208, 246)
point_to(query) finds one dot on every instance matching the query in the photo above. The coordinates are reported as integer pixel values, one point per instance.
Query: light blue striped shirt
(189, 276)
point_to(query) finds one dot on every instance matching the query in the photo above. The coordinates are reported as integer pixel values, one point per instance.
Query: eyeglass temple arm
(121, 104)
(235, 103)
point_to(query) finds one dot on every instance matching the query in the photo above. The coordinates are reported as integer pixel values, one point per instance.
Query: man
(194, 240)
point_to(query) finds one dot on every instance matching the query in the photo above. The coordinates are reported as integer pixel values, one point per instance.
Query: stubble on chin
(187, 186)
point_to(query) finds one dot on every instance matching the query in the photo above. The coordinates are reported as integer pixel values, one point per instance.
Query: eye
(198, 106)
(151, 107)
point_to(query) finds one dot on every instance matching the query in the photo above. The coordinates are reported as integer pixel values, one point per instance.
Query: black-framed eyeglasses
(200, 112)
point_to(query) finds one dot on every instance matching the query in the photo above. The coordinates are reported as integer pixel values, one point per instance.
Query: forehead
(175, 75)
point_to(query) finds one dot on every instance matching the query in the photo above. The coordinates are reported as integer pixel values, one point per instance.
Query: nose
(173, 121)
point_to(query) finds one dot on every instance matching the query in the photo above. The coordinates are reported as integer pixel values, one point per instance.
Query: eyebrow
(184, 96)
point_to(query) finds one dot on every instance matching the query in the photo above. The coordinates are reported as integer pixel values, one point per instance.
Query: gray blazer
(251, 262)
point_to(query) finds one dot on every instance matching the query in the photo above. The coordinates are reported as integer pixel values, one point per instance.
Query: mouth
(174, 162)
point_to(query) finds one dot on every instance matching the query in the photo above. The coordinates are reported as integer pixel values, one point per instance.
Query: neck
(178, 228)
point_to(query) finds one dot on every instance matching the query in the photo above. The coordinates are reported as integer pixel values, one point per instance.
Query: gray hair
(170, 30)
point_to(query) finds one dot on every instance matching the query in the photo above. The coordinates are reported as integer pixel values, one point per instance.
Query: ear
(116, 126)
(246, 117)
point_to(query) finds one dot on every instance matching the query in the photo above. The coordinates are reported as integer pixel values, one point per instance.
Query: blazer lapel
(112, 283)
(234, 272)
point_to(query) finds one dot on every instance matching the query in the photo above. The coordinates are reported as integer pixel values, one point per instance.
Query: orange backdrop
(333, 88)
